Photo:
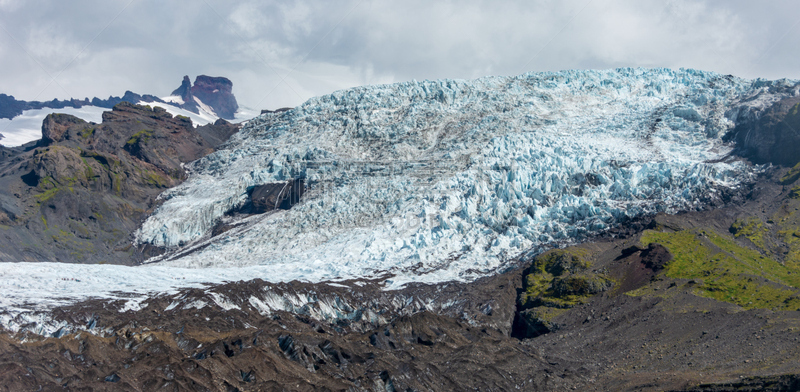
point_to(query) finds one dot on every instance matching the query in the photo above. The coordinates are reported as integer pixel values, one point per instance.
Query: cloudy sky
(280, 53)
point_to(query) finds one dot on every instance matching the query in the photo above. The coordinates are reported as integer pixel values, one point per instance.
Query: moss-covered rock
(556, 281)
(751, 228)
(579, 285)
(539, 321)
(791, 176)
(559, 261)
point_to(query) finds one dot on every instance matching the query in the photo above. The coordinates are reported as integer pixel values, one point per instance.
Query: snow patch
(27, 127)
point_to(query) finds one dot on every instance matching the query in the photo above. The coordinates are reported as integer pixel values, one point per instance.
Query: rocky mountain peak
(185, 90)
(215, 92)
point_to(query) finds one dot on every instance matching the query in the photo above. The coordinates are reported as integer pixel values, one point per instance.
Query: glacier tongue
(439, 180)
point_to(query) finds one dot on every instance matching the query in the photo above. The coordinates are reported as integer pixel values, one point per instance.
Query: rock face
(129, 97)
(185, 90)
(55, 125)
(78, 193)
(10, 107)
(281, 195)
(771, 136)
(215, 92)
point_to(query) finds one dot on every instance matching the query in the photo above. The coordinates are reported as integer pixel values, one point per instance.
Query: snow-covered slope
(450, 179)
(27, 127)
(205, 116)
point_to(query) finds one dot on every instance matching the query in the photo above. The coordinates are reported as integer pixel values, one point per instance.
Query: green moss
(44, 220)
(46, 195)
(183, 118)
(117, 184)
(751, 228)
(86, 132)
(155, 179)
(789, 232)
(67, 240)
(579, 285)
(791, 176)
(88, 172)
(140, 137)
(46, 183)
(558, 279)
(726, 271)
(795, 192)
(558, 261)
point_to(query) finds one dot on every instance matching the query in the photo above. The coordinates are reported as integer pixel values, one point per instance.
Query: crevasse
(450, 179)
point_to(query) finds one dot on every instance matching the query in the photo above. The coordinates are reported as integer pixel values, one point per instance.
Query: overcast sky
(280, 53)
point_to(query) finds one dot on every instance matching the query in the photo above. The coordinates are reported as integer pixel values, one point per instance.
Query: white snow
(428, 181)
(206, 115)
(197, 119)
(27, 127)
(174, 99)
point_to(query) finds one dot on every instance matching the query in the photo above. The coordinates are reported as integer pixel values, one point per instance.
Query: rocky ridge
(215, 92)
(78, 193)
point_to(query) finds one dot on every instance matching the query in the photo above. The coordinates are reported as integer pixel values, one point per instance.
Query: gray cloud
(280, 53)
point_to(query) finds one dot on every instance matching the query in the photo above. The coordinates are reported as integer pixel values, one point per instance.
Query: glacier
(451, 179)
(428, 181)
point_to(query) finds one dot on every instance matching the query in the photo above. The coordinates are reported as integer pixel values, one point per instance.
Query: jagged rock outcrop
(185, 90)
(55, 125)
(10, 107)
(215, 92)
(129, 97)
(78, 194)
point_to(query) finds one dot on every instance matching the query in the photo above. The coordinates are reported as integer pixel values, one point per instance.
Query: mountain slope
(78, 194)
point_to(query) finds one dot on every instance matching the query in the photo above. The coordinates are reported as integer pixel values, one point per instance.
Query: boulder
(280, 195)
(55, 125)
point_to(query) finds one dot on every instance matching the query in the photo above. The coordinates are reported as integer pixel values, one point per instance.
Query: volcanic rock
(771, 136)
(216, 92)
(54, 126)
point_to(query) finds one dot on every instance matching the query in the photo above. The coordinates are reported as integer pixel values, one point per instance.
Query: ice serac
(451, 179)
